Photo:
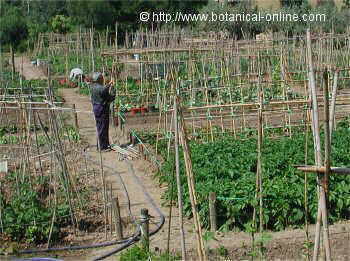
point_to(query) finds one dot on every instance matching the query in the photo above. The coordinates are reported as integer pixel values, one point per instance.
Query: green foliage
(25, 216)
(84, 89)
(222, 251)
(72, 134)
(292, 2)
(8, 129)
(335, 19)
(208, 236)
(22, 20)
(139, 254)
(228, 168)
(13, 27)
(346, 3)
(61, 24)
(134, 253)
(9, 139)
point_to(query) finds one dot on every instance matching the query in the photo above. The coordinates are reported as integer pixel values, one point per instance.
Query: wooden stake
(192, 191)
(12, 62)
(332, 109)
(325, 177)
(117, 218)
(75, 115)
(259, 165)
(322, 208)
(178, 181)
(145, 229)
(212, 211)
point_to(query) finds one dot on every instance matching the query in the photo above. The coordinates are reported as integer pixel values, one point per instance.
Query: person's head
(97, 77)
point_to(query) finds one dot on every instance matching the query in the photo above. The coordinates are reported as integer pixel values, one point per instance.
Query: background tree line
(22, 20)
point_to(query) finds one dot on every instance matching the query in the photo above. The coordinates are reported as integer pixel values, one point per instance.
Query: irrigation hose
(119, 177)
(136, 238)
(105, 244)
(126, 242)
(114, 251)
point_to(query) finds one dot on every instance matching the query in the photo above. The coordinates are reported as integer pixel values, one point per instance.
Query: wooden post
(145, 229)
(75, 115)
(12, 62)
(212, 211)
(117, 218)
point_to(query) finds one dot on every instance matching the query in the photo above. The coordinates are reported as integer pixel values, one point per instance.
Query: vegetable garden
(250, 121)
(241, 119)
(52, 195)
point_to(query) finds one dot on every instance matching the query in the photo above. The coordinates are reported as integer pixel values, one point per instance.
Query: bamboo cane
(334, 97)
(325, 178)
(317, 147)
(178, 181)
(191, 188)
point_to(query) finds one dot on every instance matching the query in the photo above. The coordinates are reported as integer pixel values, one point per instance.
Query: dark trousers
(102, 124)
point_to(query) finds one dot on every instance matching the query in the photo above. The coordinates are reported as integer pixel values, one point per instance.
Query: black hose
(129, 243)
(151, 201)
(119, 177)
(104, 244)
(126, 242)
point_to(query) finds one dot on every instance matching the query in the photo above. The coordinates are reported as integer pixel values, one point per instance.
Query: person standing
(101, 97)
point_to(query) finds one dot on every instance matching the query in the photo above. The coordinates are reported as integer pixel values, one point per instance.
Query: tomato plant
(25, 216)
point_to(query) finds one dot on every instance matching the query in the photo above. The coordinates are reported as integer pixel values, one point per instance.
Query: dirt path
(29, 71)
(142, 170)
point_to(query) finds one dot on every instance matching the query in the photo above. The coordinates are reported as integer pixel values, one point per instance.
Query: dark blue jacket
(100, 94)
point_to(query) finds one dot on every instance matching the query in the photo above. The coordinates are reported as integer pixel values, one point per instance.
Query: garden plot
(229, 99)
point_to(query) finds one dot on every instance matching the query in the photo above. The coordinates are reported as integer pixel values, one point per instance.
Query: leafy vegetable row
(228, 166)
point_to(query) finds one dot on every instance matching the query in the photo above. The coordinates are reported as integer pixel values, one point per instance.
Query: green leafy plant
(72, 134)
(228, 166)
(137, 253)
(222, 251)
(9, 139)
(26, 217)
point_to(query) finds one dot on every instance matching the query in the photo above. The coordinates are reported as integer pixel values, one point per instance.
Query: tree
(99, 13)
(13, 27)
(61, 24)
(290, 3)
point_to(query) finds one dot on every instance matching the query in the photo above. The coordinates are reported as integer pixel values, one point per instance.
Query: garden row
(228, 168)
